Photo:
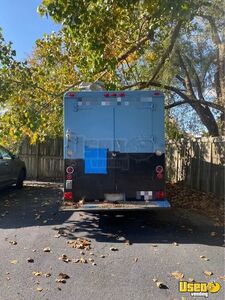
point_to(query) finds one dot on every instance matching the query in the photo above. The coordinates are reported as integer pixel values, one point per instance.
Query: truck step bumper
(135, 205)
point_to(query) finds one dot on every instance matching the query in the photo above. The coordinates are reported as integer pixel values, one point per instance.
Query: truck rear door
(89, 134)
(135, 143)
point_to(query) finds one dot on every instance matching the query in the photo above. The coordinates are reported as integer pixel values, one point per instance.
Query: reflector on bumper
(68, 196)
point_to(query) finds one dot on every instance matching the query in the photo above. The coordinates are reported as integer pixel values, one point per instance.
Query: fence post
(37, 162)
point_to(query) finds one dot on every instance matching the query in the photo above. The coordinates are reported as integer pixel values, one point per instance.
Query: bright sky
(22, 25)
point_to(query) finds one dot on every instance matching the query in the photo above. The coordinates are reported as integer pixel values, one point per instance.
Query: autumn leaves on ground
(204, 203)
(50, 254)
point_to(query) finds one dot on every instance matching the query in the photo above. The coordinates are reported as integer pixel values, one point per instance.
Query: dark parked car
(12, 169)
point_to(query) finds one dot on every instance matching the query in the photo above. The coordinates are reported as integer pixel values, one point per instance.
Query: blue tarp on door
(95, 160)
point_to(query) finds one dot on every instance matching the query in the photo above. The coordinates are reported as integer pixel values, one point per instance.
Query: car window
(5, 154)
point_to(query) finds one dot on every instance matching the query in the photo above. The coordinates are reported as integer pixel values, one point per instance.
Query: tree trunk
(207, 118)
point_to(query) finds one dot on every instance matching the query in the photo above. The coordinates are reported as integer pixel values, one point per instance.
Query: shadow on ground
(31, 206)
(166, 226)
(39, 206)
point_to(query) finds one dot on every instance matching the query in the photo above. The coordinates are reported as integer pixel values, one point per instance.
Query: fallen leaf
(91, 259)
(59, 280)
(204, 258)
(136, 259)
(14, 261)
(94, 264)
(13, 242)
(37, 273)
(47, 274)
(30, 260)
(57, 236)
(113, 249)
(161, 285)
(208, 273)
(175, 244)
(80, 243)
(191, 280)
(102, 256)
(64, 258)
(39, 289)
(178, 275)
(222, 277)
(63, 276)
(47, 249)
(83, 260)
(61, 231)
(154, 246)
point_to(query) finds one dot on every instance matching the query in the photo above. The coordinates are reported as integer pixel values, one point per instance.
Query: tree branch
(203, 102)
(198, 82)
(168, 50)
(125, 55)
(215, 35)
(186, 100)
(181, 79)
(187, 79)
(133, 49)
(34, 85)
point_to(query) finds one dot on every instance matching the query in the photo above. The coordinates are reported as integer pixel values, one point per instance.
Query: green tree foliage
(108, 29)
(7, 61)
(122, 43)
(130, 36)
(34, 104)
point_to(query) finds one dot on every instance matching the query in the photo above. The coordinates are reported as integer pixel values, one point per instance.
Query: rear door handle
(114, 154)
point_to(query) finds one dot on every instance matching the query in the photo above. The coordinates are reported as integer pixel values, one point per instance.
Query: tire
(21, 178)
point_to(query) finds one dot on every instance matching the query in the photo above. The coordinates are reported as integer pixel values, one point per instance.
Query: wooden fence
(197, 163)
(43, 161)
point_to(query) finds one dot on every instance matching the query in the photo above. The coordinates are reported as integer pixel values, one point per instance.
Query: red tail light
(68, 196)
(122, 94)
(160, 195)
(71, 94)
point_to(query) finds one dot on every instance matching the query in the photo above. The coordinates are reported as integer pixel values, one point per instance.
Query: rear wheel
(21, 178)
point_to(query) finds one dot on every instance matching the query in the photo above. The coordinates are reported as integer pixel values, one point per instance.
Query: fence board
(44, 161)
(201, 164)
